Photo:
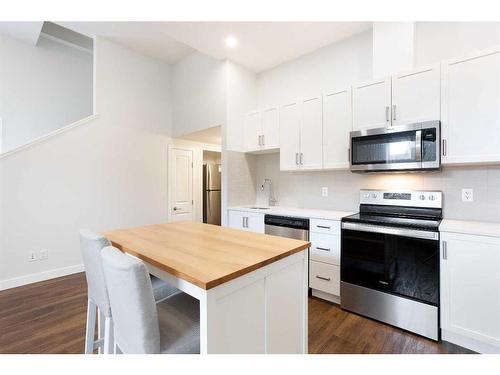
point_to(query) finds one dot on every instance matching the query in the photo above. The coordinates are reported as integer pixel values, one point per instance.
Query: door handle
(263, 140)
(260, 141)
(387, 119)
(348, 154)
(175, 208)
(394, 112)
(445, 250)
(301, 155)
(444, 147)
(297, 158)
(322, 248)
(323, 278)
(323, 227)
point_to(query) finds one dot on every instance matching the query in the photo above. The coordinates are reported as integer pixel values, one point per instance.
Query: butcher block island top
(203, 254)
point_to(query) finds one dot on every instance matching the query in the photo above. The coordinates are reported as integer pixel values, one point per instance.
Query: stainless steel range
(390, 259)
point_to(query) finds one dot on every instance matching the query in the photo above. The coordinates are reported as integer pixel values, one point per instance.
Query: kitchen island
(252, 287)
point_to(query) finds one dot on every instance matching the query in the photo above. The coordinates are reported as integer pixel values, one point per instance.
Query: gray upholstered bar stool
(141, 326)
(98, 300)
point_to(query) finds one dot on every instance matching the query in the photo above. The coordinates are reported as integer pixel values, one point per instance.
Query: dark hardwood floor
(49, 317)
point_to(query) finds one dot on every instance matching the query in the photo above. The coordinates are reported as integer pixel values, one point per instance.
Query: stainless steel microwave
(412, 147)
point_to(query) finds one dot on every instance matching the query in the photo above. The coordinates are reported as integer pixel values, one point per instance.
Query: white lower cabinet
(470, 291)
(324, 259)
(324, 277)
(247, 221)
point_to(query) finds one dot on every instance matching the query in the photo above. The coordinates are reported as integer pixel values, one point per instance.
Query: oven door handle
(403, 232)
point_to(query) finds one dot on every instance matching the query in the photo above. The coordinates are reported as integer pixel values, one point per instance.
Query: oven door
(398, 261)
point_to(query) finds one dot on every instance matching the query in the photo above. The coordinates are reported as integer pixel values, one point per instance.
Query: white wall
(106, 174)
(437, 41)
(42, 88)
(337, 65)
(199, 93)
(345, 63)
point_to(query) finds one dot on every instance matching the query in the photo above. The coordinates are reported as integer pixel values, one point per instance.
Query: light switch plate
(324, 192)
(467, 195)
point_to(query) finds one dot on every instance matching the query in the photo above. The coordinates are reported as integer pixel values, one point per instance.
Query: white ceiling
(143, 37)
(262, 45)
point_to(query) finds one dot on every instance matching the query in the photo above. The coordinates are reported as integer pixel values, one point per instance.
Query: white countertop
(480, 228)
(295, 212)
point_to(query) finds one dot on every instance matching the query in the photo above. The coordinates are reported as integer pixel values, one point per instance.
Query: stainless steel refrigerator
(211, 193)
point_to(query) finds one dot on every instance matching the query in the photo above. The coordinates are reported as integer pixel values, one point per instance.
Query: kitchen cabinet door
(270, 128)
(470, 290)
(255, 222)
(371, 104)
(337, 123)
(290, 136)
(247, 221)
(235, 220)
(311, 133)
(471, 109)
(253, 130)
(416, 96)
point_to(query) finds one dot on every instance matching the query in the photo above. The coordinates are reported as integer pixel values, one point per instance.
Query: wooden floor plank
(49, 317)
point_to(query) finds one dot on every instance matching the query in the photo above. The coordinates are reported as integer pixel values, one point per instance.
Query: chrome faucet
(271, 200)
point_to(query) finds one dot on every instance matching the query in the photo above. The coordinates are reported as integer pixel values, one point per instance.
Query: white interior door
(180, 184)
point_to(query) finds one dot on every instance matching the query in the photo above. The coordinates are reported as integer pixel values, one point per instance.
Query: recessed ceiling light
(231, 41)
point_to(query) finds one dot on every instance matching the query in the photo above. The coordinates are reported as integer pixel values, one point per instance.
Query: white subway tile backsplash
(303, 189)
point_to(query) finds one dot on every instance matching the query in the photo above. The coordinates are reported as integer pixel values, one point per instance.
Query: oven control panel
(424, 198)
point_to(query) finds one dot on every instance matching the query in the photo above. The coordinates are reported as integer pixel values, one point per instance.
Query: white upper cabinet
(337, 123)
(471, 109)
(270, 128)
(371, 102)
(311, 133)
(416, 96)
(262, 130)
(290, 135)
(253, 130)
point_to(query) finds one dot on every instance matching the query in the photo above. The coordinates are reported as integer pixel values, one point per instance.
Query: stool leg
(109, 336)
(89, 336)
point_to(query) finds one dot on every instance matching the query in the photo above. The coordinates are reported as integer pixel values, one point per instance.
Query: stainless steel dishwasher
(283, 226)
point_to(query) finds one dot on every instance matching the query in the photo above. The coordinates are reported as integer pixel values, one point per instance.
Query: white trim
(66, 43)
(41, 276)
(45, 137)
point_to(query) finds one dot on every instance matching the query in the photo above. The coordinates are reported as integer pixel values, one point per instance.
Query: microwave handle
(418, 146)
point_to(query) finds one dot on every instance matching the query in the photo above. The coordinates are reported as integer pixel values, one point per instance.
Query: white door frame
(170, 148)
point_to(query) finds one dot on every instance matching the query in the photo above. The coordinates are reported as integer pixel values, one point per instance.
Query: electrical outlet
(467, 195)
(44, 254)
(32, 256)
(324, 192)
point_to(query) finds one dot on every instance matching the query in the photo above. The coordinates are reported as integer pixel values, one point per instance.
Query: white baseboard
(469, 342)
(41, 276)
(326, 296)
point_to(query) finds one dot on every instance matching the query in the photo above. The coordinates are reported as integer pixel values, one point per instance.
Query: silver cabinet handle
(263, 140)
(348, 154)
(246, 222)
(394, 112)
(297, 158)
(444, 147)
(243, 222)
(445, 250)
(301, 156)
(323, 278)
(322, 248)
(323, 227)
(387, 119)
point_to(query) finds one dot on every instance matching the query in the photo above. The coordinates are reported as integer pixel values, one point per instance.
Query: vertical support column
(207, 323)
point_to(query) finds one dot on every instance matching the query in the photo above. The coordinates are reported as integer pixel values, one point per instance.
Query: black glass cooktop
(395, 221)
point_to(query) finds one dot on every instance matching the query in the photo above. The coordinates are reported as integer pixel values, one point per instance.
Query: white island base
(264, 311)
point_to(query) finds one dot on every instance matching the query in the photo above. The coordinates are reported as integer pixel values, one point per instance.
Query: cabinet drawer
(324, 277)
(325, 248)
(325, 226)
